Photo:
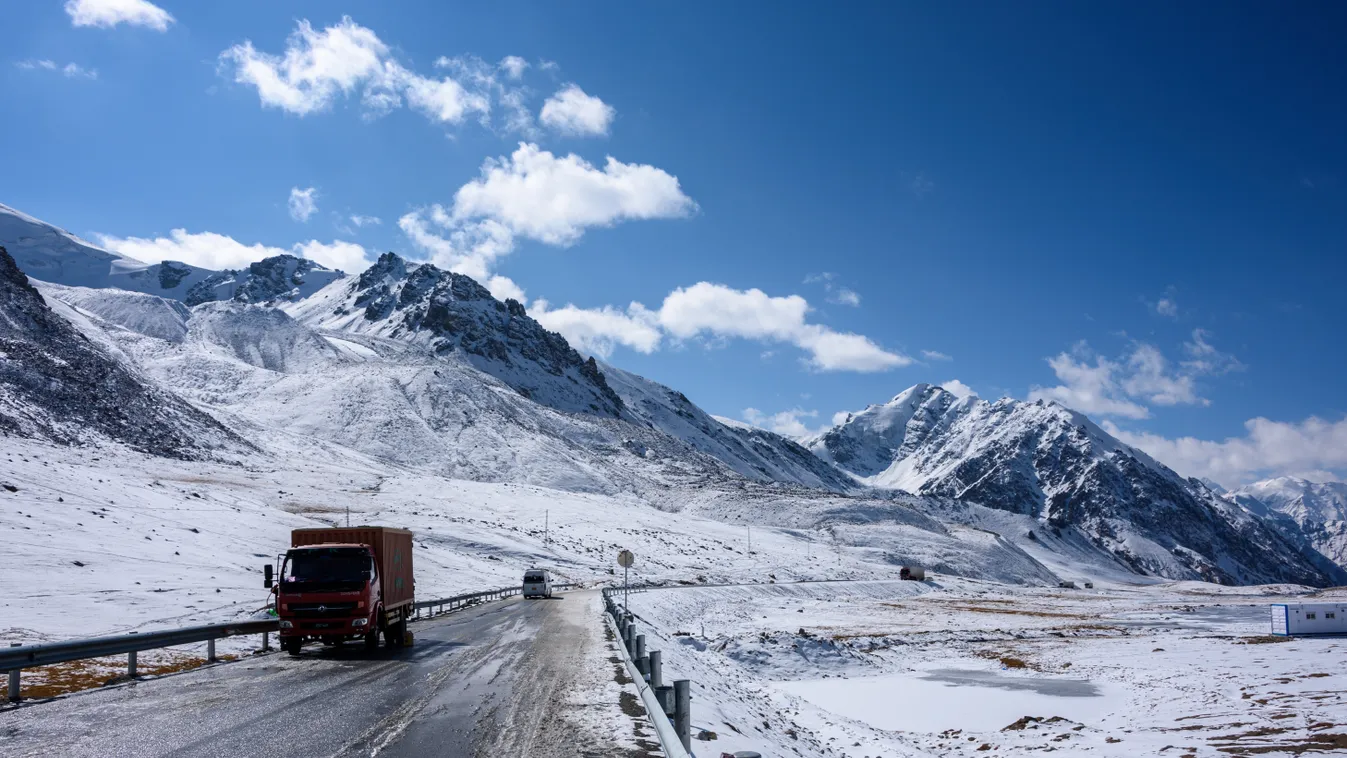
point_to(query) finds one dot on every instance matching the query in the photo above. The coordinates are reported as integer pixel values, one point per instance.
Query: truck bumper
(326, 627)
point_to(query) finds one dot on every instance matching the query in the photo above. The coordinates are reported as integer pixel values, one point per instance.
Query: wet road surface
(481, 682)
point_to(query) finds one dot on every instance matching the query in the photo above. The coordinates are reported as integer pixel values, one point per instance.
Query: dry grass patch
(59, 679)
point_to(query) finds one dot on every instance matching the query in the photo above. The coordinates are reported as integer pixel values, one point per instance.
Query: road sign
(626, 558)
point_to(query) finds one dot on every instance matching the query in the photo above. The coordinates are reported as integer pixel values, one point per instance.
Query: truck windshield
(333, 569)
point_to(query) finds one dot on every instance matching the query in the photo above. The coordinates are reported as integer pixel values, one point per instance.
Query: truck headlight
(360, 622)
(287, 624)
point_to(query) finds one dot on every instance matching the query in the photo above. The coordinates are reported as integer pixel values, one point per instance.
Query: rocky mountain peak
(452, 315)
(280, 277)
(1045, 461)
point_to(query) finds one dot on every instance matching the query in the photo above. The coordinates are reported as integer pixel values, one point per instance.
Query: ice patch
(935, 700)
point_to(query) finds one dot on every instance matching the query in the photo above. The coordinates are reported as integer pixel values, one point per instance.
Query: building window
(1309, 616)
(1330, 615)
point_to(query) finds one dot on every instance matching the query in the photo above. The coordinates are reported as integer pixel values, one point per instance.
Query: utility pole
(750, 539)
(348, 515)
(547, 539)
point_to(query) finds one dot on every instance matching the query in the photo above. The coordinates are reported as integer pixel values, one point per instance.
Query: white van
(537, 583)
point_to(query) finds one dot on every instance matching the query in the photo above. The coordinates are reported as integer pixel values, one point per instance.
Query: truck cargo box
(392, 555)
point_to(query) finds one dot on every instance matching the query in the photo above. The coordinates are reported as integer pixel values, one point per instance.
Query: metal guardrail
(15, 659)
(471, 598)
(646, 670)
(27, 656)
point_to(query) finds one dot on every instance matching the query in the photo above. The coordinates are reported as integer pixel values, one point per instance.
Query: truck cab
(357, 586)
(537, 583)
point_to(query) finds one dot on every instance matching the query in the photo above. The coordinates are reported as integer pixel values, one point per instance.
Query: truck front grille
(322, 610)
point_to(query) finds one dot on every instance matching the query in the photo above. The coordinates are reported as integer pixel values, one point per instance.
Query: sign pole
(625, 559)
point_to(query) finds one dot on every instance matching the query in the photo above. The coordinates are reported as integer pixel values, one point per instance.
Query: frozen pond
(948, 698)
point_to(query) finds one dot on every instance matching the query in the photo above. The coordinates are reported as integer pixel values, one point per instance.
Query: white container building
(1308, 619)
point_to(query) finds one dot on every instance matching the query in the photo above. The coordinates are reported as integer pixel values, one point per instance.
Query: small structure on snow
(914, 573)
(1308, 619)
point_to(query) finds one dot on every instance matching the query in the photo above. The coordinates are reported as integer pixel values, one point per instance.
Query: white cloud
(470, 248)
(217, 251)
(320, 66)
(109, 13)
(1203, 358)
(69, 70)
(958, 389)
(599, 330)
(360, 220)
(572, 112)
(315, 69)
(1167, 307)
(338, 254)
(844, 296)
(518, 117)
(1088, 389)
(841, 417)
(717, 312)
(74, 70)
(1152, 379)
(1268, 448)
(513, 66)
(1096, 385)
(303, 203)
(504, 288)
(553, 199)
(837, 294)
(752, 314)
(785, 423)
(935, 355)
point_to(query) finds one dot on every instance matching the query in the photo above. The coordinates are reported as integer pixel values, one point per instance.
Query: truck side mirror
(267, 576)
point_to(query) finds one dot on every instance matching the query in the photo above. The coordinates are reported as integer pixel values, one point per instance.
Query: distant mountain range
(424, 368)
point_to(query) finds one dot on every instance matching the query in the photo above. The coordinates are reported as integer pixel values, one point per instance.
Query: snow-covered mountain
(422, 369)
(280, 277)
(1318, 509)
(1046, 461)
(58, 384)
(51, 254)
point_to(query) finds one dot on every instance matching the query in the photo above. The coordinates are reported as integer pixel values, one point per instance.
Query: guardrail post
(210, 650)
(656, 670)
(683, 711)
(665, 697)
(266, 641)
(639, 652)
(131, 664)
(14, 679)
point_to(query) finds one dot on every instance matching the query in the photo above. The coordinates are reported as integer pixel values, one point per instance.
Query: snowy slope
(752, 452)
(58, 384)
(50, 254)
(1318, 509)
(1050, 463)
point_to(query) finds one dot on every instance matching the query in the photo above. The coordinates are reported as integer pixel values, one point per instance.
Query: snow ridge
(1052, 464)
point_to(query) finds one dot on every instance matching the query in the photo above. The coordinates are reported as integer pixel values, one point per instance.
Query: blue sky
(1136, 210)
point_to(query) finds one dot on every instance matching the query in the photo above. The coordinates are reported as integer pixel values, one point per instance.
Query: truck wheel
(396, 634)
(292, 645)
(372, 639)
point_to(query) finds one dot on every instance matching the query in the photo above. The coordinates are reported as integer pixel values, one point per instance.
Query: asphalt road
(487, 681)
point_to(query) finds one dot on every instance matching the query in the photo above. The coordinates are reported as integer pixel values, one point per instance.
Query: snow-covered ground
(964, 667)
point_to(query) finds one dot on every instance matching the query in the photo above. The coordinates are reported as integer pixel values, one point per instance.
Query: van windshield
(327, 569)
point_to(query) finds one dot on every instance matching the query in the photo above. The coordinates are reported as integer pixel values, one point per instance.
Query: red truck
(344, 584)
